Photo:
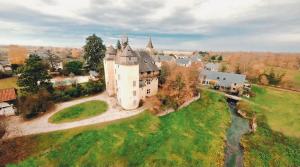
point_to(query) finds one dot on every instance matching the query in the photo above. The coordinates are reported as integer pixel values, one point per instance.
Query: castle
(130, 75)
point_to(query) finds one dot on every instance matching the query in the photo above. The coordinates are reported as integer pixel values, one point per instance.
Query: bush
(34, 104)
(93, 87)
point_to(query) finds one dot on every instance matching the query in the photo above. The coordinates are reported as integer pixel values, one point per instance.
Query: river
(239, 126)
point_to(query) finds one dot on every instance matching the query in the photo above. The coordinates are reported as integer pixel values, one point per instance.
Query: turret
(127, 79)
(109, 70)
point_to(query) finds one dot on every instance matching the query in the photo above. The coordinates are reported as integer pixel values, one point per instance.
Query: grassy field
(8, 83)
(192, 136)
(281, 108)
(79, 112)
(276, 141)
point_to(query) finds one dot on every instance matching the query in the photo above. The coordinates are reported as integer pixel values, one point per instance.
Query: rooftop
(223, 78)
(7, 94)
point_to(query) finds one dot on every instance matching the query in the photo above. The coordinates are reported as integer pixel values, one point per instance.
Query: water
(239, 126)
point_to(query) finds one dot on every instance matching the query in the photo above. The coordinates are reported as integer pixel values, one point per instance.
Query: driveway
(18, 127)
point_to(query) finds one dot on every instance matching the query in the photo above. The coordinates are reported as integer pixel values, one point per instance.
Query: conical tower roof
(150, 45)
(110, 53)
(127, 56)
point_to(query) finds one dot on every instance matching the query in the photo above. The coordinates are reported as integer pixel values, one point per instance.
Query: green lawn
(281, 108)
(8, 83)
(276, 141)
(192, 136)
(79, 111)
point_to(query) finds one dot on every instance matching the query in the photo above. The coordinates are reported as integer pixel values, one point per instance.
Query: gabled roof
(146, 63)
(183, 61)
(166, 58)
(224, 79)
(7, 94)
(212, 65)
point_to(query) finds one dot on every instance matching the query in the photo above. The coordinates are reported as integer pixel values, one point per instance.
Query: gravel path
(17, 127)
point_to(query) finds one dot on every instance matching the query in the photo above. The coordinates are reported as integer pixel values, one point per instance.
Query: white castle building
(130, 76)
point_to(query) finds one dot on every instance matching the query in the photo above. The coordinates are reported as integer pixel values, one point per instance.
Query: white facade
(127, 83)
(130, 76)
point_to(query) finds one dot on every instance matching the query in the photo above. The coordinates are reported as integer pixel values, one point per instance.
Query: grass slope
(79, 111)
(193, 136)
(267, 146)
(281, 108)
(8, 83)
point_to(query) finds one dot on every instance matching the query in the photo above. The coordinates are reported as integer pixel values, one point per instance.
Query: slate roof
(195, 58)
(230, 78)
(146, 63)
(211, 66)
(7, 94)
(183, 61)
(165, 58)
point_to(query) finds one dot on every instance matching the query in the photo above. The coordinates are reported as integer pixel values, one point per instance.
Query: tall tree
(118, 46)
(53, 60)
(94, 52)
(34, 75)
(74, 67)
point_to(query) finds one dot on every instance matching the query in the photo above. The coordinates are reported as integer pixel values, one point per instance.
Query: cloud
(174, 24)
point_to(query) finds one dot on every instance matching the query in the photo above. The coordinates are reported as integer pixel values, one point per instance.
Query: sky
(218, 25)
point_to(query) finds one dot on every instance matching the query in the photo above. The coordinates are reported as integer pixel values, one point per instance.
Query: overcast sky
(224, 25)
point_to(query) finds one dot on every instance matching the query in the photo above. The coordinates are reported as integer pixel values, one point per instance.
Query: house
(5, 66)
(130, 75)
(7, 100)
(94, 75)
(225, 81)
(212, 66)
(184, 62)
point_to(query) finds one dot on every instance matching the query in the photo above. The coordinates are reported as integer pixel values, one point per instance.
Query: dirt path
(18, 127)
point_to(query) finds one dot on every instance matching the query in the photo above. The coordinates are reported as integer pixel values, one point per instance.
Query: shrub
(93, 87)
(31, 105)
(73, 67)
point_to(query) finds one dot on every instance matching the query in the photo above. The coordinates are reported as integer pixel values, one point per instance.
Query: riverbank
(239, 126)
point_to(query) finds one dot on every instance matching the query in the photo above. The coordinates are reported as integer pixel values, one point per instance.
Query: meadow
(192, 136)
(8, 83)
(276, 141)
(79, 111)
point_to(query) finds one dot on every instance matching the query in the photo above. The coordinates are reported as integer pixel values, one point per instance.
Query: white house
(130, 75)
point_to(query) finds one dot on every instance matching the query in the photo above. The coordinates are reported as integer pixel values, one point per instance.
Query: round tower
(109, 70)
(127, 79)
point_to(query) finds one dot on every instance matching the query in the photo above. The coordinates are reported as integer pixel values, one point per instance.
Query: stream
(238, 127)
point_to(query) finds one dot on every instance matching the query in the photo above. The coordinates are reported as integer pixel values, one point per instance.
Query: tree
(237, 69)
(53, 60)
(220, 58)
(73, 67)
(118, 46)
(31, 106)
(223, 68)
(274, 78)
(34, 75)
(94, 52)
(164, 73)
(213, 58)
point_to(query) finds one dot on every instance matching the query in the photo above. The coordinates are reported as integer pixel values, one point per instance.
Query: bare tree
(53, 60)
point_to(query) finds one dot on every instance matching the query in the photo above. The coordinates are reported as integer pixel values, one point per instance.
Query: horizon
(226, 26)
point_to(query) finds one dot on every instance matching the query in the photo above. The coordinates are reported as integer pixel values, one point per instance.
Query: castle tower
(109, 70)
(127, 79)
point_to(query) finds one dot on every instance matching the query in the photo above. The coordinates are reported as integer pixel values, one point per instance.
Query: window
(148, 91)
(224, 78)
(234, 84)
(218, 77)
(134, 93)
(134, 83)
(148, 81)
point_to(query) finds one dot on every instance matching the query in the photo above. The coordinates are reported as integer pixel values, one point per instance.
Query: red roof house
(7, 95)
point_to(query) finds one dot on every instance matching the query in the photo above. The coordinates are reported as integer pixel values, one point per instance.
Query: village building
(184, 62)
(211, 67)
(7, 100)
(5, 66)
(130, 75)
(228, 82)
